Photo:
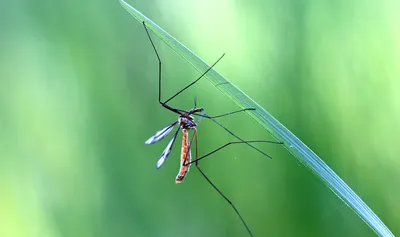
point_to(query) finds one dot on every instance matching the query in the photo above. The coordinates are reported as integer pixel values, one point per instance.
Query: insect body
(186, 123)
(186, 157)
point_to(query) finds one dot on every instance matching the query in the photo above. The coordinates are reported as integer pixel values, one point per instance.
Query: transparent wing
(200, 117)
(166, 152)
(161, 134)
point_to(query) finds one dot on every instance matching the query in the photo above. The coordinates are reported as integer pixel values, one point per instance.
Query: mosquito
(186, 122)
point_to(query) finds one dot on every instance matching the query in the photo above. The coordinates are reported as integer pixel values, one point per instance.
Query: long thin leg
(222, 115)
(227, 144)
(159, 63)
(164, 104)
(230, 132)
(191, 84)
(219, 191)
(190, 146)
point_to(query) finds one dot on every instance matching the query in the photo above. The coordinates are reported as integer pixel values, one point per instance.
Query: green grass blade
(296, 147)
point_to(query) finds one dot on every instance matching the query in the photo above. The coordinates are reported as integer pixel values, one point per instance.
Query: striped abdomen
(186, 157)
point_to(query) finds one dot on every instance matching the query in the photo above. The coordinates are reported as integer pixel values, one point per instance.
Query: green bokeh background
(78, 98)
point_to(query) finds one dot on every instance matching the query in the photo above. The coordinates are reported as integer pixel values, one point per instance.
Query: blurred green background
(78, 98)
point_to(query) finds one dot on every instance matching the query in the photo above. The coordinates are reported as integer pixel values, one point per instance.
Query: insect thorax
(187, 122)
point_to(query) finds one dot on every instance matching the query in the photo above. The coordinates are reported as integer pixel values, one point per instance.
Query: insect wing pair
(160, 135)
(186, 156)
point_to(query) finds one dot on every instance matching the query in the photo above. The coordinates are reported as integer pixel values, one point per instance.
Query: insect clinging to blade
(186, 122)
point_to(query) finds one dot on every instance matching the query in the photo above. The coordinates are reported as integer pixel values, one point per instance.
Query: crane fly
(186, 122)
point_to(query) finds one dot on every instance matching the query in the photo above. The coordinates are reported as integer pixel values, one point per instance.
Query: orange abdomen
(186, 157)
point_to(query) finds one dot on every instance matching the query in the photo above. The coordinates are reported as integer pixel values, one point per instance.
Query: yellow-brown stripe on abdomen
(185, 155)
